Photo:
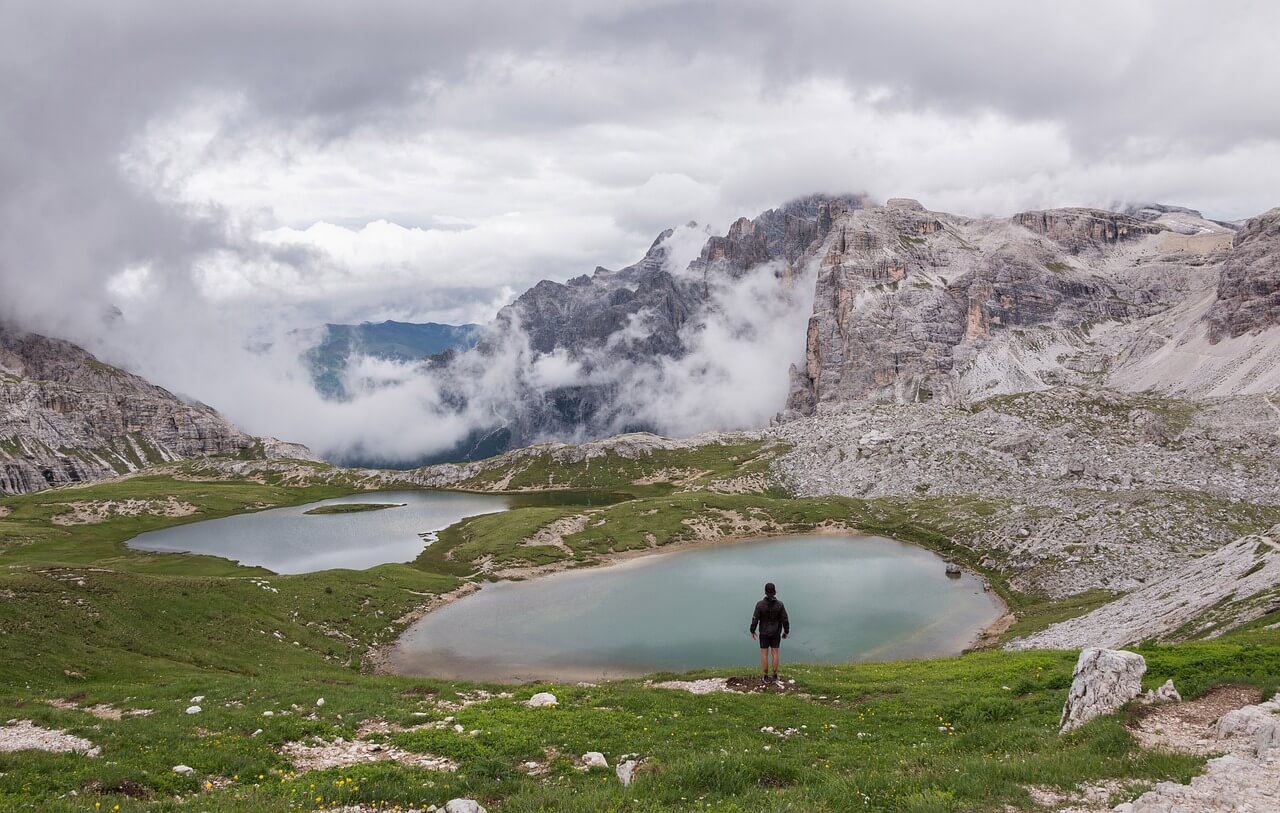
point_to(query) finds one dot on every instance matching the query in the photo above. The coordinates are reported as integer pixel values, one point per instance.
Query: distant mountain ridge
(66, 417)
(336, 344)
(908, 305)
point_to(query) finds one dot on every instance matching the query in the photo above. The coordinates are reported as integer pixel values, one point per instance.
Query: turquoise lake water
(849, 598)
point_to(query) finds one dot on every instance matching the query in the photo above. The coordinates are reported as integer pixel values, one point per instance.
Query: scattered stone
(464, 806)
(320, 702)
(24, 735)
(256, 733)
(1103, 681)
(193, 709)
(1165, 694)
(594, 759)
(703, 686)
(183, 770)
(542, 699)
(340, 753)
(198, 699)
(953, 570)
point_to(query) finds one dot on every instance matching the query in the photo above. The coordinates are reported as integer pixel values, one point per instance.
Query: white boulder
(464, 806)
(1104, 680)
(542, 699)
(594, 759)
(183, 769)
(193, 709)
(626, 771)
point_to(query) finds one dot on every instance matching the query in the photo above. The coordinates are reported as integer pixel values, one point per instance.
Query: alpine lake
(849, 597)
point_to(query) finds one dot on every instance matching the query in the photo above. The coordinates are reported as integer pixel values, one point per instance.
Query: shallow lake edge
(377, 660)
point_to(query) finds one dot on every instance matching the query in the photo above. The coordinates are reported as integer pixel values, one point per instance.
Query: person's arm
(786, 622)
(755, 620)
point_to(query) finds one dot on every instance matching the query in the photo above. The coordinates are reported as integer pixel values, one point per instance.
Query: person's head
(770, 590)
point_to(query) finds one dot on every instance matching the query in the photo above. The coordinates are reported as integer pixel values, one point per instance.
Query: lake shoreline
(378, 659)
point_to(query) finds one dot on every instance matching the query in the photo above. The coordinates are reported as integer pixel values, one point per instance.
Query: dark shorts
(771, 641)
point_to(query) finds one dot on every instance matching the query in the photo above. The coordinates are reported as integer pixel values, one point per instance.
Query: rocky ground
(1097, 489)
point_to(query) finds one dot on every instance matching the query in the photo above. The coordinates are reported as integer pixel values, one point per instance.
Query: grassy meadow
(85, 622)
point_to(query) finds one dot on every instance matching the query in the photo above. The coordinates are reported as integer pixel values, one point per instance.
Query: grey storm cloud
(227, 171)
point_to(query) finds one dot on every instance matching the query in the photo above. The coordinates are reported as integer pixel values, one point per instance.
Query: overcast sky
(203, 165)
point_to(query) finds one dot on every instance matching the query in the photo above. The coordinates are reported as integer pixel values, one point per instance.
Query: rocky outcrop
(1207, 597)
(66, 417)
(613, 327)
(911, 304)
(1097, 488)
(1248, 297)
(1104, 680)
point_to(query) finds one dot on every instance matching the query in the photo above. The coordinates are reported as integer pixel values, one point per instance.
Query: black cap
(769, 589)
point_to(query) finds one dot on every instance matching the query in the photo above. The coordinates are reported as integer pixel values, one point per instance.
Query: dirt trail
(1246, 777)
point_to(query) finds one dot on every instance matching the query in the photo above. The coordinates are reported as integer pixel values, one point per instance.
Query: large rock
(1260, 723)
(626, 771)
(464, 806)
(1104, 680)
(542, 699)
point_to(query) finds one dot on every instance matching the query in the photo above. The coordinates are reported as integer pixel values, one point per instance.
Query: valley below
(114, 645)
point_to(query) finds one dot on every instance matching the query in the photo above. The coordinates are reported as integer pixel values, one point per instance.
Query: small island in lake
(354, 507)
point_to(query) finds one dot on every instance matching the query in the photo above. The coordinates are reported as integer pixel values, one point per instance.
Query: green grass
(353, 507)
(84, 618)
(659, 473)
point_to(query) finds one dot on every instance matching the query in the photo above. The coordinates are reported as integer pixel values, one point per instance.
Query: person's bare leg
(775, 662)
(764, 661)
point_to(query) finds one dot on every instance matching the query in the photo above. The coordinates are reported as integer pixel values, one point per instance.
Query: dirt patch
(24, 735)
(321, 756)
(990, 635)
(125, 788)
(91, 512)
(754, 685)
(1188, 726)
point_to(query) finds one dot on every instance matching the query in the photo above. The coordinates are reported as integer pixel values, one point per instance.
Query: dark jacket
(770, 616)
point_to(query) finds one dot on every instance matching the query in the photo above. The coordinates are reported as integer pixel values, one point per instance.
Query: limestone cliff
(66, 417)
(909, 301)
(1248, 296)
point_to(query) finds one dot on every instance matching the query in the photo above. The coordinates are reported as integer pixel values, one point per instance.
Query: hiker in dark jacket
(771, 617)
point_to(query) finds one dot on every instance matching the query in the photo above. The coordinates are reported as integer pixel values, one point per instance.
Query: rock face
(1248, 296)
(1097, 488)
(66, 417)
(1246, 778)
(1104, 680)
(614, 326)
(1205, 598)
(913, 305)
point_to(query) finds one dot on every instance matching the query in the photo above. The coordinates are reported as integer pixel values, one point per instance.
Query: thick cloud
(225, 172)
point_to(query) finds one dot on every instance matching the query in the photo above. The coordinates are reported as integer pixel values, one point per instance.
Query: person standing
(771, 617)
